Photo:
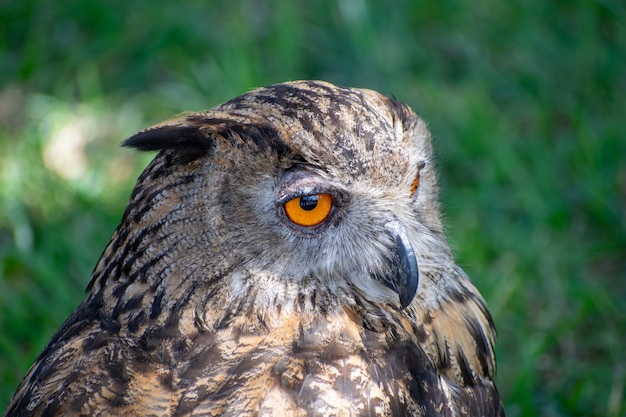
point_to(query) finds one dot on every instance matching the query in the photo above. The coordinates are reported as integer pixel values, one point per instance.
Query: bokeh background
(526, 100)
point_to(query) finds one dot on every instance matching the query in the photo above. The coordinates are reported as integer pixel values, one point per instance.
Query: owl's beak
(404, 277)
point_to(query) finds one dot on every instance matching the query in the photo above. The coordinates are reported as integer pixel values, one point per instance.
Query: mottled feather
(208, 302)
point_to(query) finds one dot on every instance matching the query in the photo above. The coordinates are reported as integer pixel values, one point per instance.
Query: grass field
(526, 101)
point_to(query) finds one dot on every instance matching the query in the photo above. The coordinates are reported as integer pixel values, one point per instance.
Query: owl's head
(301, 195)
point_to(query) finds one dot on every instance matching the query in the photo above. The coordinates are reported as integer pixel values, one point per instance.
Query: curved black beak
(404, 275)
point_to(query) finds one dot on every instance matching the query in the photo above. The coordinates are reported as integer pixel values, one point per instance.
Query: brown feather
(206, 301)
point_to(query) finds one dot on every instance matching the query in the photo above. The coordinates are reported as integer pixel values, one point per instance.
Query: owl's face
(298, 193)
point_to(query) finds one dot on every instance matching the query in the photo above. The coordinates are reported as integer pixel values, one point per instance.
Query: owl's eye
(309, 210)
(415, 184)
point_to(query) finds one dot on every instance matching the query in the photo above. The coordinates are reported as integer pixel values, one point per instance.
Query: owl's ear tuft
(170, 137)
(401, 112)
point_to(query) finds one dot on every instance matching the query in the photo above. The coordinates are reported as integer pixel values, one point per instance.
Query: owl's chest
(321, 367)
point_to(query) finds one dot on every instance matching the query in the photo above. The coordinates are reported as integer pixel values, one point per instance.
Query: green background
(526, 100)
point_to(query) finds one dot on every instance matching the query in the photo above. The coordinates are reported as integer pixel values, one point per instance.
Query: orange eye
(415, 184)
(309, 210)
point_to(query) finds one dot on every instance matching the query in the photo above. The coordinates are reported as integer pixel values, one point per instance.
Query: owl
(282, 255)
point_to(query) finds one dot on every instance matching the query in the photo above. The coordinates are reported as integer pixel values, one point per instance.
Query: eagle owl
(282, 255)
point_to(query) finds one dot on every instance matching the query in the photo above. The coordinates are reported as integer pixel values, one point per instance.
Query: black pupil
(308, 202)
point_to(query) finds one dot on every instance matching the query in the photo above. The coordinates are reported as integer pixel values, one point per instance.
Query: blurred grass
(526, 100)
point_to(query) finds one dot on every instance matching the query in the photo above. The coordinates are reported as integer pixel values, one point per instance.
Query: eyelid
(294, 180)
(300, 182)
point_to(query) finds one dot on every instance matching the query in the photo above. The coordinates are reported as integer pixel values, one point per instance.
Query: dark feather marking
(146, 200)
(466, 372)
(112, 263)
(77, 403)
(370, 141)
(420, 333)
(46, 368)
(159, 166)
(401, 112)
(424, 385)
(307, 122)
(127, 261)
(334, 113)
(156, 335)
(131, 248)
(263, 135)
(155, 310)
(484, 351)
(283, 101)
(118, 371)
(166, 380)
(183, 301)
(203, 362)
(142, 272)
(137, 321)
(301, 300)
(162, 164)
(217, 122)
(109, 323)
(96, 341)
(243, 102)
(120, 288)
(442, 354)
(479, 400)
(130, 256)
(225, 319)
(238, 376)
(180, 346)
(312, 86)
(125, 305)
(112, 248)
(458, 296)
(51, 407)
(103, 276)
(170, 137)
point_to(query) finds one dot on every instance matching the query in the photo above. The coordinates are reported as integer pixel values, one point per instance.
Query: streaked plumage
(209, 300)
